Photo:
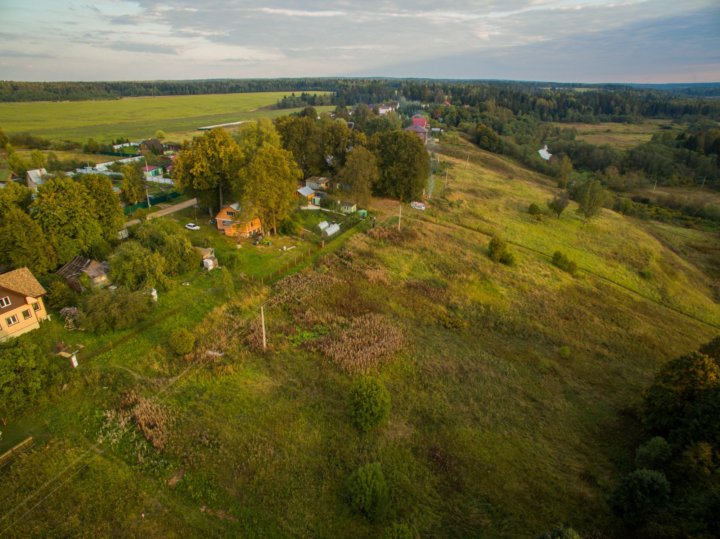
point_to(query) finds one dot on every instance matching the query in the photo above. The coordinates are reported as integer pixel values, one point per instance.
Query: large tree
(211, 162)
(252, 135)
(67, 214)
(14, 195)
(270, 183)
(302, 137)
(335, 139)
(107, 204)
(133, 184)
(591, 197)
(360, 173)
(137, 267)
(23, 243)
(404, 164)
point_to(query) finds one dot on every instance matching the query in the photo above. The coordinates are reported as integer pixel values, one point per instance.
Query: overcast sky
(552, 40)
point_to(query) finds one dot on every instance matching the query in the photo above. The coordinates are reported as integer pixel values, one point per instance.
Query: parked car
(192, 226)
(418, 205)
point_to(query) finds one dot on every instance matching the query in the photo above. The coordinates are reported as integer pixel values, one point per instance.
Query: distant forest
(548, 101)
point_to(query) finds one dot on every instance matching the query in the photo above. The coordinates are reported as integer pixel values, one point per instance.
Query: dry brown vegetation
(364, 343)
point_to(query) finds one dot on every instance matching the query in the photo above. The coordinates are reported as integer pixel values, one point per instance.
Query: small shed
(209, 261)
(331, 230)
(306, 192)
(96, 272)
(348, 207)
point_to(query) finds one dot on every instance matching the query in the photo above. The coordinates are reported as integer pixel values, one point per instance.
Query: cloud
(299, 13)
(139, 47)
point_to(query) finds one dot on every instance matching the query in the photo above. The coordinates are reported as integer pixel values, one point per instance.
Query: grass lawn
(512, 393)
(135, 117)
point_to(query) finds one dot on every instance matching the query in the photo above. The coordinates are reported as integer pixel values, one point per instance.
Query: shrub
(534, 209)
(638, 494)
(712, 349)
(645, 274)
(498, 252)
(369, 403)
(564, 352)
(564, 263)
(368, 492)
(182, 341)
(61, 295)
(558, 203)
(105, 310)
(653, 454)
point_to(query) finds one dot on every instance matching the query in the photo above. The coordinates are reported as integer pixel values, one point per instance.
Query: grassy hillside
(134, 117)
(512, 387)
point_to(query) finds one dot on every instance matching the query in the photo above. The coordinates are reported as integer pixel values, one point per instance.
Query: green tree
(302, 137)
(565, 169)
(16, 163)
(14, 195)
(639, 494)
(335, 139)
(23, 243)
(712, 349)
(369, 403)
(591, 197)
(270, 182)
(211, 162)
(653, 454)
(133, 184)
(677, 387)
(558, 203)
(25, 372)
(253, 135)
(165, 237)
(3, 139)
(403, 162)
(368, 492)
(107, 204)
(360, 173)
(137, 267)
(498, 251)
(66, 212)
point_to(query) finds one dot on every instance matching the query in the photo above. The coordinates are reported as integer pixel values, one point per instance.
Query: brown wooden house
(21, 305)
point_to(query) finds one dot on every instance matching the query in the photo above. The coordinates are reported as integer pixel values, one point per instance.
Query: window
(5, 302)
(11, 320)
(231, 214)
(36, 306)
(26, 314)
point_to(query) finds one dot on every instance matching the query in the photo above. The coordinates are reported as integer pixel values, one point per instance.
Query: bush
(104, 310)
(369, 403)
(498, 252)
(368, 492)
(60, 295)
(182, 341)
(638, 494)
(653, 454)
(561, 532)
(534, 209)
(564, 263)
(712, 349)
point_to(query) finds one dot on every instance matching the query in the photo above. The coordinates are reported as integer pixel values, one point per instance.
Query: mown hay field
(135, 117)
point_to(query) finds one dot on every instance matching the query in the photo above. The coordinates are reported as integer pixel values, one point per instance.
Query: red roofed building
(420, 120)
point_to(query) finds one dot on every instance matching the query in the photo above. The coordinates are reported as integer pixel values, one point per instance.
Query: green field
(620, 135)
(135, 117)
(512, 397)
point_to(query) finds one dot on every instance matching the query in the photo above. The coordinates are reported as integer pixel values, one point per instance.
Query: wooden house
(232, 222)
(21, 304)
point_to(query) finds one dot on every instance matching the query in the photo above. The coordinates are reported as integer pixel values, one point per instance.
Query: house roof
(81, 264)
(306, 191)
(417, 129)
(235, 206)
(347, 203)
(150, 168)
(23, 282)
(36, 175)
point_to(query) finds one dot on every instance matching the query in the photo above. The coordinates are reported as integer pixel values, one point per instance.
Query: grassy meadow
(620, 135)
(135, 117)
(512, 393)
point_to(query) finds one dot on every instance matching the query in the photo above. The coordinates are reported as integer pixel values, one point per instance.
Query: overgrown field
(135, 117)
(512, 387)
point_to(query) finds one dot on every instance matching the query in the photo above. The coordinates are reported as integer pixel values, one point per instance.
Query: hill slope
(511, 391)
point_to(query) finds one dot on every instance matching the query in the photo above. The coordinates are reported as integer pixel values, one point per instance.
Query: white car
(418, 205)
(192, 226)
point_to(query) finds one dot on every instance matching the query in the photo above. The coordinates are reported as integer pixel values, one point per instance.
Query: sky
(644, 41)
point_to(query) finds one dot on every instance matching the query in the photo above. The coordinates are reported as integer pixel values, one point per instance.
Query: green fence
(154, 199)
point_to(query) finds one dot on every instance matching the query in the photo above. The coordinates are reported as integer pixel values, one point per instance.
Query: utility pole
(147, 194)
(654, 186)
(400, 216)
(262, 319)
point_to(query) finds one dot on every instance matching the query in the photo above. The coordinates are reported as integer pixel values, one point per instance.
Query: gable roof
(417, 129)
(306, 191)
(23, 282)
